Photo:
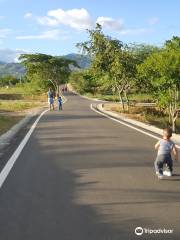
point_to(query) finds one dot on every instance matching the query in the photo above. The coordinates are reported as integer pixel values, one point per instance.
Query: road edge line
(10, 163)
(126, 124)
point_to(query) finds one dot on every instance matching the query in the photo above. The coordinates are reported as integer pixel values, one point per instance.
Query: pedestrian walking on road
(165, 147)
(59, 99)
(50, 99)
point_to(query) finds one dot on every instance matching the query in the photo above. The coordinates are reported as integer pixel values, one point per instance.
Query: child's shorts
(50, 100)
(163, 159)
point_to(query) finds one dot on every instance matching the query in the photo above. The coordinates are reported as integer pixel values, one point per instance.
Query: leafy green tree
(8, 80)
(142, 51)
(123, 72)
(76, 79)
(110, 57)
(47, 68)
(162, 71)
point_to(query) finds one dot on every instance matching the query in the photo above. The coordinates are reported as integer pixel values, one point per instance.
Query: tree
(142, 51)
(110, 57)
(123, 72)
(47, 68)
(162, 71)
(8, 80)
(76, 79)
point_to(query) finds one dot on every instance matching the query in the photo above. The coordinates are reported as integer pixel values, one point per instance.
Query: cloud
(9, 55)
(136, 31)
(110, 23)
(153, 21)
(78, 19)
(28, 15)
(48, 35)
(47, 21)
(4, 32)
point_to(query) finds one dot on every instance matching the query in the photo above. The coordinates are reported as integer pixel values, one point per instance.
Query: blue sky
(55, 26)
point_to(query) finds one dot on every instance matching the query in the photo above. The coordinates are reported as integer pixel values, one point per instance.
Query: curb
(99, 107)
(7, 136)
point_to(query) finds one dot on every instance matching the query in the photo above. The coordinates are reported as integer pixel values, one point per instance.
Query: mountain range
(16, 69)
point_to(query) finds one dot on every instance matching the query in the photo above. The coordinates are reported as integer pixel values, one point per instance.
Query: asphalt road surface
(82, 176)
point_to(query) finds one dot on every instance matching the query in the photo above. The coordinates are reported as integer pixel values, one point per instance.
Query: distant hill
(16, 69)
(82, 60)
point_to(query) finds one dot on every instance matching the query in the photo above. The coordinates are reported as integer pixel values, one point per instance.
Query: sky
(55, 26)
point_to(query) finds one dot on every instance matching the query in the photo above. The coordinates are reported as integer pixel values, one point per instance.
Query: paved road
(82, 176)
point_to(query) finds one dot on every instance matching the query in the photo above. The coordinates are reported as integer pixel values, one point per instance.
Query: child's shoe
(167, 173)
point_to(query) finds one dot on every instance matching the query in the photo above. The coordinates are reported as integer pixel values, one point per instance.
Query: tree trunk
(121, 100)
(174, 124)
(127, 100)
(174, 116)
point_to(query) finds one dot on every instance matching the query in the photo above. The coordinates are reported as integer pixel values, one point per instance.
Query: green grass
(12, 90)
(103, 97)
(141, 97)
(6, 122)
(15, 99)
(16, 106)
(114, 98)
(17, 93)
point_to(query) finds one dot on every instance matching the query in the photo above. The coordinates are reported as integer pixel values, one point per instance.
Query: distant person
(165, 147)
(59, 99)
(50, 99)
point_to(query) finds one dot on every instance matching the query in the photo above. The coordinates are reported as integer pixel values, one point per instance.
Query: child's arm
(157, 145)
(175, 152)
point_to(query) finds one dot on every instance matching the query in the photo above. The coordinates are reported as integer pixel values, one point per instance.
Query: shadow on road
(44, 206)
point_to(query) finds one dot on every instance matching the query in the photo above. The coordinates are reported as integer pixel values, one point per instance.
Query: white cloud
(28, 15)
(49, 35)
(4, 32)
(153, 21)
(136, 31)
(110, 23)
(9, 55)
(80, 19)
(47, 21)
(75, 18)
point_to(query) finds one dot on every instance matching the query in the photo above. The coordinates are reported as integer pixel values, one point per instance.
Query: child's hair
(167, 132)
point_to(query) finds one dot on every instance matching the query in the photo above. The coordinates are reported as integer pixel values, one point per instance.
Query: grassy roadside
(17, 106)
(14, 103)
(143, 114)
(6, 122)
(114, 98)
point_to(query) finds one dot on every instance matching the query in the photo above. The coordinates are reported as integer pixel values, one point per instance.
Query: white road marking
(6, 170)
(128, 125)
(9, 165)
